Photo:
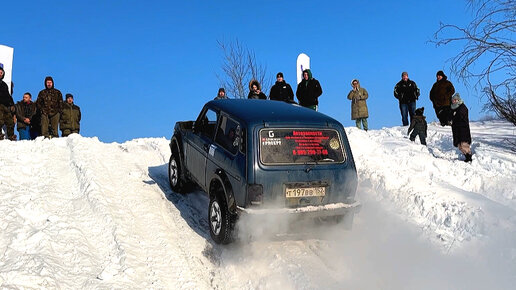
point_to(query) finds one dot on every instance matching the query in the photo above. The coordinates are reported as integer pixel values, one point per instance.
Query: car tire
(219, 219)
(175, 173)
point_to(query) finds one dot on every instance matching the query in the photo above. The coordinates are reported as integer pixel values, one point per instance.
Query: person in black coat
(281, 91)
(460, 127)
(308, 91)
(419, 126)
(407, 92)
(25, 112)
(255, 91)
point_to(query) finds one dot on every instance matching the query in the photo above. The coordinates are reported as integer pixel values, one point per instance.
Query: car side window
(228, 134)
(207, 123)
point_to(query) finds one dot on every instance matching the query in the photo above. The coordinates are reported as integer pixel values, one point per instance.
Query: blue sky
(137, 67)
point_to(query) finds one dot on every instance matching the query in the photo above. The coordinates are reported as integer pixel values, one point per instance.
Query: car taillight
(255, 194)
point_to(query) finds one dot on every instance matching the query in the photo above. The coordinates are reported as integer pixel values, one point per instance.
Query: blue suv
(264, 157)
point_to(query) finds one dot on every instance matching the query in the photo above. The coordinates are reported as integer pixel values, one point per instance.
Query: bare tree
(488, 56)
(239, 67)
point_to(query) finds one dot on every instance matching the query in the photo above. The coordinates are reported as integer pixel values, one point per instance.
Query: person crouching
(460, 127)
(419, 126)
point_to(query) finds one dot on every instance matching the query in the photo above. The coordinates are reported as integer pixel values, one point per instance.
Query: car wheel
(219, 219)
(174, 173)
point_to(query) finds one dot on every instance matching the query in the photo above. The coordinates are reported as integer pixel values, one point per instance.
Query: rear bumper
(333, 209)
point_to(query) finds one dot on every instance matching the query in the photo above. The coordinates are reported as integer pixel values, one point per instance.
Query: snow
(79, 213)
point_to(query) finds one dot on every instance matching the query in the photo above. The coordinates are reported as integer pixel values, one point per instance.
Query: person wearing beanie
(308, 91)
(460, 127)
(255, 91)
(358, 97)
(7, 109)
(440, 95)
(221, 94)
(419, 126)
(407, 92)
(70, 120)
(49, 103)
(281, 90)
(25, 112)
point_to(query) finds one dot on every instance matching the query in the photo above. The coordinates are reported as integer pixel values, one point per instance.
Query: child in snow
(460, 126)
(418, 124)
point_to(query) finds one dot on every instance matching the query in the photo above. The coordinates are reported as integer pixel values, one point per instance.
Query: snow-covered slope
(79, 213)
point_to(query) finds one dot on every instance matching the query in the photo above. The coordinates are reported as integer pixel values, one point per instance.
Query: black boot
(468, 158)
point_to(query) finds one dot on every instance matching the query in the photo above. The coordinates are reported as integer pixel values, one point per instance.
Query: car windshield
(300, 146)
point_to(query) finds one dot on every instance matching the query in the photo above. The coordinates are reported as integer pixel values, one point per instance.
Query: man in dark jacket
(70, 117)
(6, 108)
(25, 112)
(460, 127)
(281, 91)
(308, 91)
(407, 92)
(49, 102)
(440, 95)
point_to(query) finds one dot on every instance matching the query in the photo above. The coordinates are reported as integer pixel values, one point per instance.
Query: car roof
(267, 111)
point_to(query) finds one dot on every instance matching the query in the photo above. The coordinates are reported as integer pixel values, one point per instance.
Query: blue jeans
(405, 109)
(24, 133)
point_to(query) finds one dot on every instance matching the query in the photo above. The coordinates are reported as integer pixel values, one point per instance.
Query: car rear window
(299, 146)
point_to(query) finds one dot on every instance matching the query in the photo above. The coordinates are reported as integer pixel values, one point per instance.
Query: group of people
(448, 105)
(40, 118)
(308, 91)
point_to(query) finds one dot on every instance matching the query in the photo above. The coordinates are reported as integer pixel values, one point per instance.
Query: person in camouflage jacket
(49, 103)
(6, 108)
(70, 117)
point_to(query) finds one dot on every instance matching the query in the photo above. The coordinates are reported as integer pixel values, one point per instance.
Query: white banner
(303, 62)
(6, 61)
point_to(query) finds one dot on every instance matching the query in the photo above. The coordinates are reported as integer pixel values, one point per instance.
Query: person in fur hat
(460, 127)
(255, 91)
(358, 97)
(418, 126)
(440, 95)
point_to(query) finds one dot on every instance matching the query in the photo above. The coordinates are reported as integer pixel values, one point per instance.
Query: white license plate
(306, 191)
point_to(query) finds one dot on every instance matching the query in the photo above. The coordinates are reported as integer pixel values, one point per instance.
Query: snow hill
(79, 213)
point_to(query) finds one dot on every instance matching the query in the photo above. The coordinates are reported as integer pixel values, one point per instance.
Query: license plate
(306, 191)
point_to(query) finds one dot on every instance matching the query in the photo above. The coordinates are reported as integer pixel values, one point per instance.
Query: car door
(226, 155)
(198, 145)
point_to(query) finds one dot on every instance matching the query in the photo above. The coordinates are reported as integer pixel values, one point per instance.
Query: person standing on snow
(407, 92)
(7, 108)
(221, 94)
(49, 102)
(25, 112)
(419, 125)
(308, 91)
(281, 91)
(440, 95)
(460, 127)
(358, 97)
(255, 91)
(70, 117)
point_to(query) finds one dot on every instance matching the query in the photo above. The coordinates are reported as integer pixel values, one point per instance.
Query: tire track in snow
(154, 231)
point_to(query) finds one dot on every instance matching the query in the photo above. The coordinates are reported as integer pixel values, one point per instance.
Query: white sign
(6, 61)
(303, 62)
